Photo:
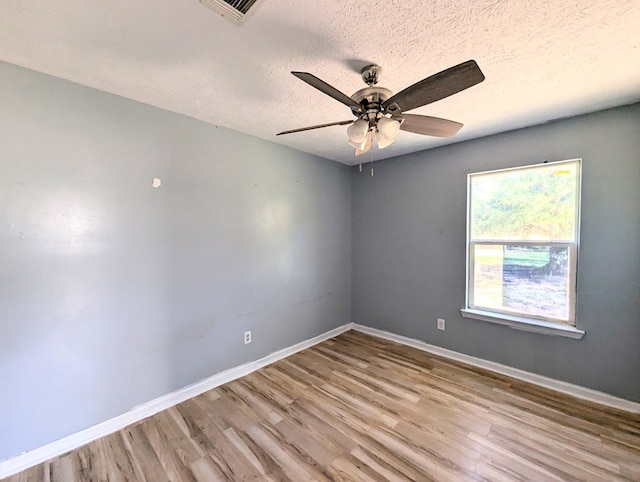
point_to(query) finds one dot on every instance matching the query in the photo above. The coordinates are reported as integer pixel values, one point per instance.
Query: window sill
(525, 324)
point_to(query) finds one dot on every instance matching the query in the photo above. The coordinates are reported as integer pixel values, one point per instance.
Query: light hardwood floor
(361, 408)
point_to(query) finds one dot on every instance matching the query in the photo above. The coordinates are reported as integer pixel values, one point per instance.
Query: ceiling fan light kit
(380, 114)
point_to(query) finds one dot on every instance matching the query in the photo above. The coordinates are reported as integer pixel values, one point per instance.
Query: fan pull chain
(372, 160)
(360, 167)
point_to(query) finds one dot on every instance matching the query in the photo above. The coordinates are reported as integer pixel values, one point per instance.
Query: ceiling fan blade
(429, 126)
(320, 126)
(438, 86)
(325, 88)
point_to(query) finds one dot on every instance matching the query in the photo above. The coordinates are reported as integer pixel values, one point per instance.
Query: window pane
(530, 280)
(530, 204)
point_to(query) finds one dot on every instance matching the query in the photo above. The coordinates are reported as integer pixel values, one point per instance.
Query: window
(522, 241)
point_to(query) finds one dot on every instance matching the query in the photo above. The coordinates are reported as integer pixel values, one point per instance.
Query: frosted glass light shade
(388, 128)
(387, 131)
(357, 131)
(358, 145)
(361, 145)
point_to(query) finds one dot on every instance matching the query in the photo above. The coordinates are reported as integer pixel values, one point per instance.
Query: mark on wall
(156, 182)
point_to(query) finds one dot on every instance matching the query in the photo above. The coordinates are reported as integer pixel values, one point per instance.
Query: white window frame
(521, 320)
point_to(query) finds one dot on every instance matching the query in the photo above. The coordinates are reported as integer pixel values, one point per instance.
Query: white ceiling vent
(235, 10)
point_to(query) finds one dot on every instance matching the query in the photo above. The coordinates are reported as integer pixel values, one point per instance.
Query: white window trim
(522, 321)
(524, 324)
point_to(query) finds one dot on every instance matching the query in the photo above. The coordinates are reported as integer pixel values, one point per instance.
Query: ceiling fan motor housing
(371, 99)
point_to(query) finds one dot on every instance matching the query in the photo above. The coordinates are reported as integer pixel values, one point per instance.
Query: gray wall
(409, 249)
(113, 292)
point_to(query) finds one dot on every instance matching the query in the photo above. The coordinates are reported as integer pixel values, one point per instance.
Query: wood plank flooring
(360, 408)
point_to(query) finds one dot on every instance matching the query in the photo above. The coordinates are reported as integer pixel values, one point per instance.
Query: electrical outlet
(440, 324)
(247, 337)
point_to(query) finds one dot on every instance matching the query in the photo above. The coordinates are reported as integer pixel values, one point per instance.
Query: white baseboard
(557, 385)
(33, 457)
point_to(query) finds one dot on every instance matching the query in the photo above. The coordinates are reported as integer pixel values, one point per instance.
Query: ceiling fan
(380, 114)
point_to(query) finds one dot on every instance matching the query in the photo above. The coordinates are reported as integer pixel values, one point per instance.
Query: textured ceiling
(542, 60)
